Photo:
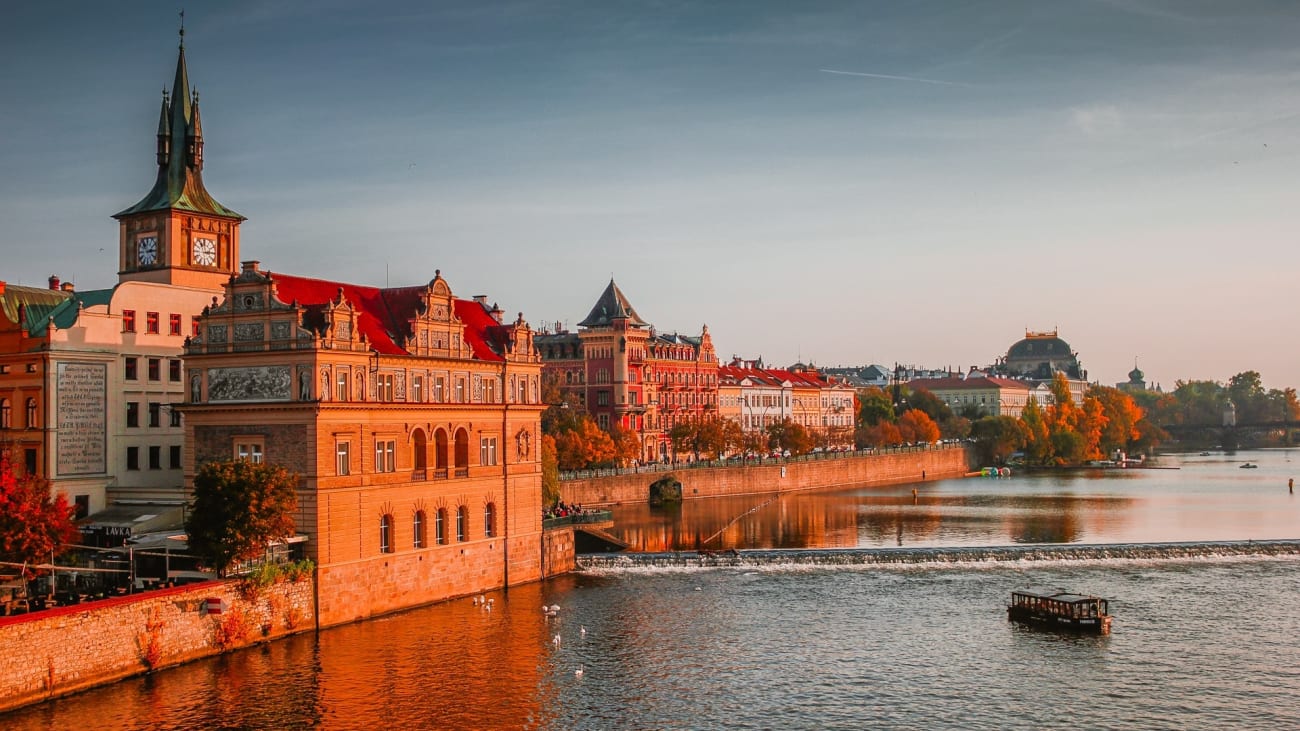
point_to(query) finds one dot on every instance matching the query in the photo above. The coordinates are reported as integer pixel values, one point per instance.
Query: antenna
(182, 28)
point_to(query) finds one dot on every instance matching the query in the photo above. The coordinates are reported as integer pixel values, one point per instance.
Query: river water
(1199, 642)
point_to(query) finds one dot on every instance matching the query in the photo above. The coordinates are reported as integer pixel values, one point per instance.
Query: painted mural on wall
(82, 403)
(251, 383)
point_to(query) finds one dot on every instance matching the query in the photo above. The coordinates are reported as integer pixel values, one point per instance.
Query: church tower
(179, 234)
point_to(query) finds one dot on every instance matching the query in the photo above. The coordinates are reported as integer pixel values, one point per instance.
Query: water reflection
(1191, 498)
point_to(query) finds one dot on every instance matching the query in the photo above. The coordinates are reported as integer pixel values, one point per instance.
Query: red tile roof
(383, 315)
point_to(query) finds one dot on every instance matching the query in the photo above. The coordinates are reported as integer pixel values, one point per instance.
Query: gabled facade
(625, 373)
(990, 396)
(412, 417)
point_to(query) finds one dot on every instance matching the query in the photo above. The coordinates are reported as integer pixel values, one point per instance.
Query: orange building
(625, 373)
(411, 416)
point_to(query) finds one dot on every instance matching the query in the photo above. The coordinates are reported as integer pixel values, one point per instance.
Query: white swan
(581, 669)
(582, 631)
(555, 607)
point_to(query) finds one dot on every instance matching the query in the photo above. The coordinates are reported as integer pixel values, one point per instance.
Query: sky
(836, 182)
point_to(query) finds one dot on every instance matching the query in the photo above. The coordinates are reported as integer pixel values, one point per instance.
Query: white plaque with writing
(82, 417)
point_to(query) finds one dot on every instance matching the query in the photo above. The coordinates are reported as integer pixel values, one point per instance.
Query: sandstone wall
(787, 476)
(63, 650)
(559, 555)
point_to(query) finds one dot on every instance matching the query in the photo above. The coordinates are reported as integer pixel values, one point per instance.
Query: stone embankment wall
(781, 476)
(63, 650)
(558, 552)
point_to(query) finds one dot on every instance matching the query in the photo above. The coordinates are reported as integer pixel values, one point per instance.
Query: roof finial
(182, 29)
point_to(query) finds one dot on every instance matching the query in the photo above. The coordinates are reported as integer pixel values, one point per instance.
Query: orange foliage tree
(33, 523)
(917, 426)
(585, 445)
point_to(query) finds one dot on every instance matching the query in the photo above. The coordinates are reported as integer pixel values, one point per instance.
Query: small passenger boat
(1249, 466)
(1056, 609)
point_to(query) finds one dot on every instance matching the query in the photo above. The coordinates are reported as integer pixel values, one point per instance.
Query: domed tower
(178, 233)
(1040, 355)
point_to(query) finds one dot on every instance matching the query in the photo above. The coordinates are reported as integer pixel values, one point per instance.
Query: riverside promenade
(592, 488)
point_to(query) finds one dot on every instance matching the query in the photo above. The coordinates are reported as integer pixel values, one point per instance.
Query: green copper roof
(40, 306)
(179, 185)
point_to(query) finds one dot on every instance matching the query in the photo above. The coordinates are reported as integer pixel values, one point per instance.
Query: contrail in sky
(893, 78)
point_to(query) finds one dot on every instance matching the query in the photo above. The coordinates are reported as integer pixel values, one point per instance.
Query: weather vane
(182, 27)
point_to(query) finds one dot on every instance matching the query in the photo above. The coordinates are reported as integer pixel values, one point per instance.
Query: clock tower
(178, 233)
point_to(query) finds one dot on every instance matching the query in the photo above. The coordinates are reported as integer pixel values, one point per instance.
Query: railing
(462, 472)
(440, 474)
(758, 461)
(587, 516)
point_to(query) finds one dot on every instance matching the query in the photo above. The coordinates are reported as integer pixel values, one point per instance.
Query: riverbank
(919, 464)
(60, 651)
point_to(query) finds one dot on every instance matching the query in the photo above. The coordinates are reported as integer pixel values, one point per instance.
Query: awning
(119, 522)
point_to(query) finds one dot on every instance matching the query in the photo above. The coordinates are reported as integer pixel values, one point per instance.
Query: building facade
(988, 396)
(411, 416)
(626, 374)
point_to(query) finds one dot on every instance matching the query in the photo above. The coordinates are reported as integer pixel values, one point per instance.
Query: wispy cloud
(1096, 120)
(893, 78)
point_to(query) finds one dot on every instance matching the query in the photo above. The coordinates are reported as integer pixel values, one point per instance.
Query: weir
(953, 555)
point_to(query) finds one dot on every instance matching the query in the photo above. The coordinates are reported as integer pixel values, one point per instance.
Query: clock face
(205, 252)
(146, 251)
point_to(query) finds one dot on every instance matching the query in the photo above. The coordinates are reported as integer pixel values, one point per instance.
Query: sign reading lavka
(82, 404)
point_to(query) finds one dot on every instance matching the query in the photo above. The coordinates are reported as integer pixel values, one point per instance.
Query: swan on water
(582, 631)
(581, 669)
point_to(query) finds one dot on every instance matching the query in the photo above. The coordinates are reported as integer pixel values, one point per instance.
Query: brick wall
(559, 555)
(60, 651)
(876, 469)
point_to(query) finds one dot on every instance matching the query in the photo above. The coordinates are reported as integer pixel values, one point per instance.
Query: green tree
(239, 508)
(997, 438)
(34, 524)
(874, 406)
(1038, 442)
(550, 471)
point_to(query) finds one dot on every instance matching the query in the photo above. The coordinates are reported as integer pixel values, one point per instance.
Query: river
(1199, 642)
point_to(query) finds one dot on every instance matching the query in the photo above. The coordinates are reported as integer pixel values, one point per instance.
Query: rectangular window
(384, 387)
(133, 458)
(174, 370)
(487, 451)
(385, 455)
(174, 325)
(195, 327)
(131, 369)
(417, 388)
(439, 390)
(151, 323)
(132, 414)
(342, 465)
(128, 321)
(29, 460)
(490, 391)
(251, 450)
(155, 458)
(174, 456)
(155, 369)
(440, 527)
(342, 387)
(602, 398)
(175, 417)
(604, 421)
(155, 414)
(460, 390)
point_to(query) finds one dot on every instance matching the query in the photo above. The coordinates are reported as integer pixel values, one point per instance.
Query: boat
(1205, 454)
(1059, 609)
(1249, 466)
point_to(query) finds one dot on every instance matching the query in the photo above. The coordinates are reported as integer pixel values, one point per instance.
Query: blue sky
(1123, 170)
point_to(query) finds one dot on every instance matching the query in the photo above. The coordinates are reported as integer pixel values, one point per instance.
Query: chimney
(54, 282)
(481, 299)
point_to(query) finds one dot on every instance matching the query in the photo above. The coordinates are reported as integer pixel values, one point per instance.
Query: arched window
(440, 452)
(419, 451)
(5, 416)
(462, 518)
(462, 453)
(440, 526)
(489, 520)
(31, 413)
(386, 533)
(417, 523)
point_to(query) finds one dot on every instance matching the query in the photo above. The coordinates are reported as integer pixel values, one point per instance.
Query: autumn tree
(583, 446)
(34, 524)
(874, 406)
(788, 435)
(916, 425)
(883, 434)
(1123, 415)
(627, 445)
(238, 509)
(1038, 442)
